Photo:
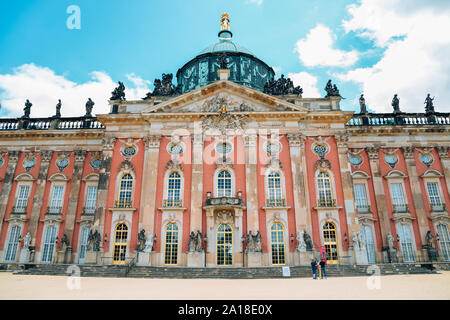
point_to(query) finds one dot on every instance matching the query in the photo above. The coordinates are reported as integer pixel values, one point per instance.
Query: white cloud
(308, 83)
(415, 61)
(317, 49)
(43, 87)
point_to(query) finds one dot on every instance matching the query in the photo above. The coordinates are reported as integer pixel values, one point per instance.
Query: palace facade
(229, 168)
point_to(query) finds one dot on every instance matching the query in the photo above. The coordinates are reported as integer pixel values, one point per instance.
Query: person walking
(314, 268)
(323, 265)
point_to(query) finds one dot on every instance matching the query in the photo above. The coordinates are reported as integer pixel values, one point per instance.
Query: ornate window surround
(166, 187)
(125, 168)
(433, 176)
(91, 180)
(233, 181)
(411, 234)
(268, 171)
(361, 177)
(58, 179)
(332, 186)
(14, 223)
(168, 218)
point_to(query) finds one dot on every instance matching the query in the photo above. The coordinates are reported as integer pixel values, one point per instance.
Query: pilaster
(251, 178)
(13, 157)
(197, 182)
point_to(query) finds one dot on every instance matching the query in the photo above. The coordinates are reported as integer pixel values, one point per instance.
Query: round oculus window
(129, 151)
(355, 160)
(426, 159)
(223, 148)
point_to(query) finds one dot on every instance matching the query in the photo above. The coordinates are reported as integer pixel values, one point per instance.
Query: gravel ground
(29, 287)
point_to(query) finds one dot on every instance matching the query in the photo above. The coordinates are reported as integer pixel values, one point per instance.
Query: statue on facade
(27, 240)
(355, 242)
(258, 241)
(429, 239)
(27, 110)
(141, 241)
(58, 109)
(149, 243)
(360, 240)
(198, 242)
(192, 242)
(301, 241)
(396, 104)
(89, 106)
(282, 86)
(429, 108)
(390, 240)
(362, 104)
(223, 61)
(118, 93)
(64, 242)
(94, 240)
(308, 241)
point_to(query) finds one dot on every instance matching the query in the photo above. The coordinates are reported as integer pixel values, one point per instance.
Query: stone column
(13, 157)
(380, 196)
(197, 182)
(148, 192)
(418, 203)
(251, 176)
(46, 156)
(349, 201)
(75, 185)
(103, 184)
(445, 162)
(301, 199)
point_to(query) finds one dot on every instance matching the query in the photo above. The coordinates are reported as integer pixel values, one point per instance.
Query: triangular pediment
(224, 94)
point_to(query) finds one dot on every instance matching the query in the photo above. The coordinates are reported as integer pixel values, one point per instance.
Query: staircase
(221, 273)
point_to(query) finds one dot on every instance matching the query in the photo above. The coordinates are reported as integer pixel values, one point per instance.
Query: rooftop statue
(332, 90)
(118, 93)
(225, 21)
(223, 61)
(282, 86)
(58, 109)
(362, 104)
(164, 87)
(396, 104)
(429, 107)
(27, 110)
(89, 105)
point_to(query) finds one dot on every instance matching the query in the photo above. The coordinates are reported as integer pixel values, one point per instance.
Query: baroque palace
(231, 167)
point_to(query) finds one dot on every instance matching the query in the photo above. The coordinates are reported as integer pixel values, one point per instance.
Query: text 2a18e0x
(253, 309)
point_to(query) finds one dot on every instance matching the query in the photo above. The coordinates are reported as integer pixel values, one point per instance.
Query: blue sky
(136, 41)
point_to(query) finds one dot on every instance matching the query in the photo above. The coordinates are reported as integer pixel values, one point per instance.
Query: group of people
(315, 268)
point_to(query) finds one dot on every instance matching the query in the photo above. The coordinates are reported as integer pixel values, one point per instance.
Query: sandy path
(435, 286)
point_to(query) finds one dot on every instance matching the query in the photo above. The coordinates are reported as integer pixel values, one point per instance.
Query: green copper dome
(245, 68)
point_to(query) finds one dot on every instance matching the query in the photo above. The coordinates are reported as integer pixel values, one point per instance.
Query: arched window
(49, 244)
(274, 190)
(406, 244)
(120, 243)
(368, 240)
(324, 189)
(13, 243)
(174, 190)
(224, 245)
(224, 188)
(125, 191)
(278, 247)
(171, 247)
(444, 241)
(330, 242)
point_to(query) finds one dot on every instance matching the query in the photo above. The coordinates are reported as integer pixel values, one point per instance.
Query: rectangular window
(56, 202)
(361, 197)
(91, 199)
(22, 198)
(397, 197)
(435, 198)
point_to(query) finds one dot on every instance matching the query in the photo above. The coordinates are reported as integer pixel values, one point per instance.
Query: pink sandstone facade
(225, 175)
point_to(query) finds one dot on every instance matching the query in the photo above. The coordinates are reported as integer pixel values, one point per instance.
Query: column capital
(408, 152)
(296, 139)
(46, 155)
(108, 143)
(373, 152)
(443, 152)
(341, 140)
(13, 155)
(80, 155)
(250, 140)
(152, 141)
(197, 138)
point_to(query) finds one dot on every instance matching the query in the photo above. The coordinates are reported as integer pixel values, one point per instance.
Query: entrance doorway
(224, 245)
(330, 242)
(120, 244)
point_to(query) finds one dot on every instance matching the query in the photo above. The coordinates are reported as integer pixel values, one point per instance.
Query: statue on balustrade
(89, 106)
(396, 104)
(362, 104)
(429, 108)
(58, 109)
(27, 110)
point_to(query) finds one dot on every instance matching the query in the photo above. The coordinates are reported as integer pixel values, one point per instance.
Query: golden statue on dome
(225, 21)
